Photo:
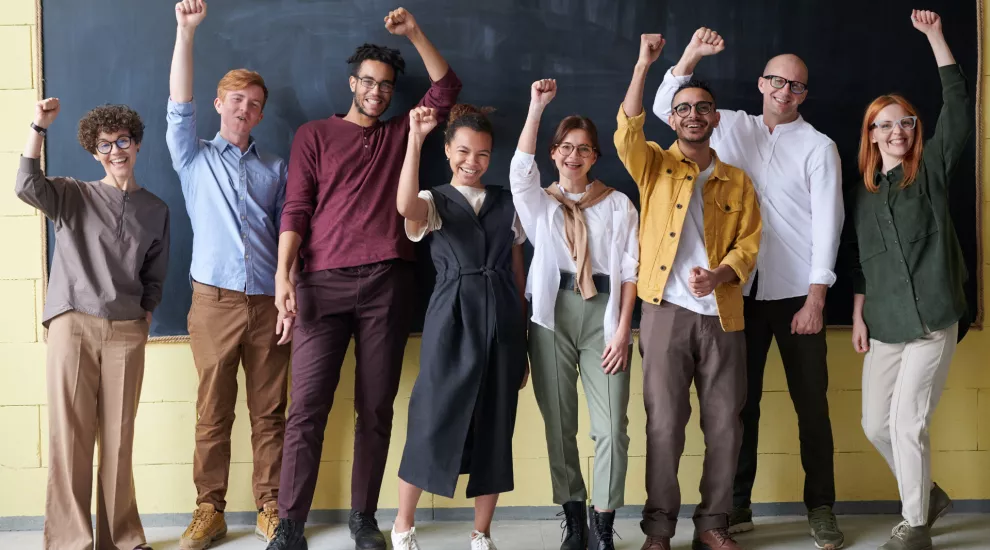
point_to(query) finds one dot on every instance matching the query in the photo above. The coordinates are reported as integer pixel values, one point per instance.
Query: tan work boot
(207, 526)
(267, 521)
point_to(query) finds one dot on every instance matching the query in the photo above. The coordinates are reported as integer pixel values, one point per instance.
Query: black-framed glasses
(701, 107)
(583, 151)
(123, 142)
(369, 84)
(887, 126)
(779, 82)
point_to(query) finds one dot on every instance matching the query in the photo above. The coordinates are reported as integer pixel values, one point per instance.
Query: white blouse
(416, 231)
(613, 226)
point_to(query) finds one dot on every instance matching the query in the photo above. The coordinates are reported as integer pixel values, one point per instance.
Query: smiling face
(694, 127)
(575, 155)
(899, 141)
(469, 152)
(240, 110)
(782, 102)
(118, 163)
(373, 102)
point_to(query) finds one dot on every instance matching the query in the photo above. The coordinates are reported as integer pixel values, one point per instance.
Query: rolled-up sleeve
(180, 135)
(442, 94)
(630, 256)
(827, 214)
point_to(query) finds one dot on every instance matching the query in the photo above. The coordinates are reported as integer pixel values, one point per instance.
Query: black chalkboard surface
(115, 51)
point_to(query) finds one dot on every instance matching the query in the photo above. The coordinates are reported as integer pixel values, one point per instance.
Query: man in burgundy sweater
(357, 278)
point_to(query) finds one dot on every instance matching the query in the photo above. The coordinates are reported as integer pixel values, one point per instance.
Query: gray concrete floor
(957, 531)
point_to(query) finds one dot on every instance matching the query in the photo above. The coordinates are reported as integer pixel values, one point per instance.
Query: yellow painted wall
(164, 442)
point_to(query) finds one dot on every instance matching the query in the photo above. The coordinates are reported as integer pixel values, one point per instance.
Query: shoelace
(365, 521)
(407, 540)
(271, 516)
(721, 535)
(283, 533)
(481, 541)
(901, 529)
(201, 518)
(823, 519)
(570, 524)
(605, 534)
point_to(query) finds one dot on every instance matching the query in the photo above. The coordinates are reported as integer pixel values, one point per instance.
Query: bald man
(797, 176)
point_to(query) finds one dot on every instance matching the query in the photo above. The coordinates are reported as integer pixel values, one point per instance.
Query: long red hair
(869, 153)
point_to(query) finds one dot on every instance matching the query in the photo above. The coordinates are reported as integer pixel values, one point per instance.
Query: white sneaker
(405, 541)
(481, 541)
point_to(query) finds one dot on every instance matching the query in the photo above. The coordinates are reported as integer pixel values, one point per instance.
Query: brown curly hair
(109, 119)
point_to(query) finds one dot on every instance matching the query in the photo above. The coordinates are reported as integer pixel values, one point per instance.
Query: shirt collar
(786, 126)
(718, 172)
(224, 144)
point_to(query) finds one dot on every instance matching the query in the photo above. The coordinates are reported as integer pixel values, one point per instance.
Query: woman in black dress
(473, 361)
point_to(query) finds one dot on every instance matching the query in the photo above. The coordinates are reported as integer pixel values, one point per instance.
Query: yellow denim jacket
(666, 181)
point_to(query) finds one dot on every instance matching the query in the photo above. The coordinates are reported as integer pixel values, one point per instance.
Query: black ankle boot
(288, 536)
(575, 526)
(602, 529)
(365, 531)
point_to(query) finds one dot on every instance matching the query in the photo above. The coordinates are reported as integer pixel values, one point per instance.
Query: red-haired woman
(582, 282)
(908, 277)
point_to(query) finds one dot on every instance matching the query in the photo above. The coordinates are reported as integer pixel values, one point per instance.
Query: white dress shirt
(798, 178)
(613, 243)
(691, 252)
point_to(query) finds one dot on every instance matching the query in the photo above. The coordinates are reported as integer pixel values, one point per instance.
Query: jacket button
(679, 206)
(689, 178)
(672, 233)
(727, 208)
(663, 268)
(656, 300)
(668, 170)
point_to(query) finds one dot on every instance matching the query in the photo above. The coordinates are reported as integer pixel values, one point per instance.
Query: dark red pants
(371, 303)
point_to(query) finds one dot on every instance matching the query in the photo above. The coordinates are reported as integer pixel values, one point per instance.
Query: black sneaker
(365, 531)
(288, 536)
(574, 525)
(740, 520)
(939, 504)
(602, 530)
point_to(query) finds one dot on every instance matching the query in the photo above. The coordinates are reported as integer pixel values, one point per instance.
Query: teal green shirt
(906, 257)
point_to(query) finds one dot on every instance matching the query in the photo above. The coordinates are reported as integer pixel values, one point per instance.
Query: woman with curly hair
(111, 256)
(462, 411)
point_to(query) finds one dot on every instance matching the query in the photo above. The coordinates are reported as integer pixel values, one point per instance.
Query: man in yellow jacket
(699, 236)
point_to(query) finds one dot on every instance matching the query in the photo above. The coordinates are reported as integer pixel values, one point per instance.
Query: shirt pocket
(263, 189)
(869, 238)
(915, 218)
(727, 217)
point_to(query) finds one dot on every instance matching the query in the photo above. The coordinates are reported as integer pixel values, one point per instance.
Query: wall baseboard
(516, 513)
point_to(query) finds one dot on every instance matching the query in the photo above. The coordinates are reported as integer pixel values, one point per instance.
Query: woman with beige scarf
(582, 284)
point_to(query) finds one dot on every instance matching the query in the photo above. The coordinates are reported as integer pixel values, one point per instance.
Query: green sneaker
(825, 529)
(939, 504)
(905, 537)
(740, 520)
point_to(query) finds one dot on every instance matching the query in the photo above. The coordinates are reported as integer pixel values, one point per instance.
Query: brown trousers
(226, 328)
(95, 367)
(678, 346)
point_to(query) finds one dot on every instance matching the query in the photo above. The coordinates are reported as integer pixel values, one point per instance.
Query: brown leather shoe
(714, 539)
(656, 543)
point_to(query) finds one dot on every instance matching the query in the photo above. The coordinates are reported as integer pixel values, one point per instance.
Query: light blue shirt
(234, 201)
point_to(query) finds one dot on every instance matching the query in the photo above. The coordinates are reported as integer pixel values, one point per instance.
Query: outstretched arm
(188, 15)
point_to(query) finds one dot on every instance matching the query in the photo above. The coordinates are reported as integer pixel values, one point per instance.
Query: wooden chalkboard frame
(982, 111)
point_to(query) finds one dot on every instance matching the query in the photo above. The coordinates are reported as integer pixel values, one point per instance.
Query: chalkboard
(111, 51)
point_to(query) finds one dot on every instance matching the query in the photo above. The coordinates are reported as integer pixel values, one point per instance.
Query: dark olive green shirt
(906, 257)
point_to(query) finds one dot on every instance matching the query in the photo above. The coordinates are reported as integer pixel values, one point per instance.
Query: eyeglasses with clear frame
(584, 151)
(907, 123)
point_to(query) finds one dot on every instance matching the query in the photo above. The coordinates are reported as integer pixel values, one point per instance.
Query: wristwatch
(39, 129)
